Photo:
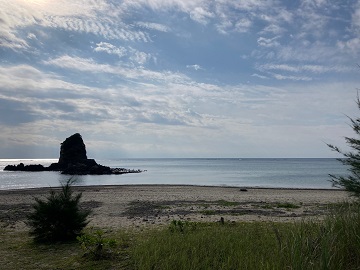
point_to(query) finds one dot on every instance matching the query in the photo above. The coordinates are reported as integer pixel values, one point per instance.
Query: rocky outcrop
(73, 155)
(73, 151)
(26, 168)
(73, 160)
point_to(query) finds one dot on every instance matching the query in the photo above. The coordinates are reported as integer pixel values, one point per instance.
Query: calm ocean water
(248, 172)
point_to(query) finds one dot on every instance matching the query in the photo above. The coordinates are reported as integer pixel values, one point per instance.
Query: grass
(18, 251)
(332, 243)
(209, 246)
(208, 212)
(285, 205)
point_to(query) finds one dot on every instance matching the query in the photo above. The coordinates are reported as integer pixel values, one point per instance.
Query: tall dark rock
(72, 151)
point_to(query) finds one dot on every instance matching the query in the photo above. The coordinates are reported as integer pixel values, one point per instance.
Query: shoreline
(15, 190)
(140, 206)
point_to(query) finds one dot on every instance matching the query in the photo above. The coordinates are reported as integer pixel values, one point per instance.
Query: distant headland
(73, 161)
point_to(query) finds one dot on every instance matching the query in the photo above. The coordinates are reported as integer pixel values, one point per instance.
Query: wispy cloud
(79, 16)
(201, 15)
(136, 57)
(105, 28)
(317, 69)
(259, 76)
(110, 49)
(290, 77)
(268, 42)
(352, 44)
(154, 26)
(89, 65)
(195, 67)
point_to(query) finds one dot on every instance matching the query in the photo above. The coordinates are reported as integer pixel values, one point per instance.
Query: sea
(308, 173)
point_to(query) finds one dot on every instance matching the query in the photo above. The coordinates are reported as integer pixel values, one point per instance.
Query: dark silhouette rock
(84, 168)
(72, 151)
(26, 168)
(73, 160)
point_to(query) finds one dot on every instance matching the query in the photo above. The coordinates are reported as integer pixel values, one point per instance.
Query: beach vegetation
(286, 205)
(182, 226)
(96, 245)
(209, 212)
(332, 243)
(329, 243)
(350, 182)
(58, 217)
(227, 203)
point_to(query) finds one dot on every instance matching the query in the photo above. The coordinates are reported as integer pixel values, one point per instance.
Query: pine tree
(351, 182)
(58, 217)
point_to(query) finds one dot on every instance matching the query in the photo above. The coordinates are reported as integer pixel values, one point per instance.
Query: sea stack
(72, 151)
(73, 160)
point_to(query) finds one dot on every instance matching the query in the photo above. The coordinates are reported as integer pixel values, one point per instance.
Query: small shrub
(182, 226)
(97, 246)
(58, 217)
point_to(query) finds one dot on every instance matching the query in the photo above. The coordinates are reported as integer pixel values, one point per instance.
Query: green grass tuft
(208, 212)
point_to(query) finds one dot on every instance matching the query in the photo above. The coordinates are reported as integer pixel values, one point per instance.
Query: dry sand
(138, 206)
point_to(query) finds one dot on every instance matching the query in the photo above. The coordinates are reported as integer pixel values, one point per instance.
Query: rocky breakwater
(73, 161)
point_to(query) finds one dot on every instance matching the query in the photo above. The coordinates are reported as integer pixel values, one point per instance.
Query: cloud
(89, 65)
(316, 69)
(140, 58)
(259, 76)
(201, 15)
(268, 42)
(22, 83)
(14, 113)
(355, 18)
(110, 49)
(154, 26)
(307, 71)
(352, 44)
(290, 77)
(224, 27)
(195, 67)
(164, 5)
(31, 36)
(117, 69)
(273, 29)
(134, 56)
(80, 16)
(106, 28)
(243, 25)
(310, 52)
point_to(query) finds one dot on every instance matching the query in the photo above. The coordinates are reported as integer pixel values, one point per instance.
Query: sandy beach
(139, 206)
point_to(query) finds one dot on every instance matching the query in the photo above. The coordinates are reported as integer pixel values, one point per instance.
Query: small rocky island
(73, 161)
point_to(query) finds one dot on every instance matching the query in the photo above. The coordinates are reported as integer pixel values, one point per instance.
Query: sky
(178, 78)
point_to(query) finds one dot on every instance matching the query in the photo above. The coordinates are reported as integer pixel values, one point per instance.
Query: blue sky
(162, 78)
